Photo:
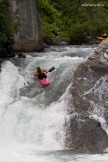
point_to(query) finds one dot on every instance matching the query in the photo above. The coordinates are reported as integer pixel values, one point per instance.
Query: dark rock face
(86, 135)
(87, 130)
(6, 50)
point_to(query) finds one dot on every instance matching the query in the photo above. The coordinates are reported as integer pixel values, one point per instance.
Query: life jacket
(42, 71)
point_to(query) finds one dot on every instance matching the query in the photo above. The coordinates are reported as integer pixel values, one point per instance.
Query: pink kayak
(44, 81)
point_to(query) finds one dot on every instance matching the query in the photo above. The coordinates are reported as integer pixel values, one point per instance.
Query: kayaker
(104, 35)
(40, 73)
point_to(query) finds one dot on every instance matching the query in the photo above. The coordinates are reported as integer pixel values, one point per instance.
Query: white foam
(28, 127)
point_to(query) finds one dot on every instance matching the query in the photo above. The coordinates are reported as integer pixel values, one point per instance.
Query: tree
(7, 27)
(70, 20)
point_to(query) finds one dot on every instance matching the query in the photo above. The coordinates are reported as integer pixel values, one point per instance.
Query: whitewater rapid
(32, 118)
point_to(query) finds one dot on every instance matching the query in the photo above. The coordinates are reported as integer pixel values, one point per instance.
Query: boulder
(88, 130)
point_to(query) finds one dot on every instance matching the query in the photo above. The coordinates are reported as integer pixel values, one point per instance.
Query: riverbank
(87, 41)
(7, 51)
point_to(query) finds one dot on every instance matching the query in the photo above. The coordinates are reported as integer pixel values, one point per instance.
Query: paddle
(50, 70)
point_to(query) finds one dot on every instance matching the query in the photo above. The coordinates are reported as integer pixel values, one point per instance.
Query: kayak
(101, 38)
(47, 80)
(44, 81)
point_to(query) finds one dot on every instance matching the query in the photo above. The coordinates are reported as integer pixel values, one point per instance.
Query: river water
(32, 117)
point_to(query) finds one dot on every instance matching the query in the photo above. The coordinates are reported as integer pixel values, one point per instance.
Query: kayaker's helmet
(104, 34)
(39, 70)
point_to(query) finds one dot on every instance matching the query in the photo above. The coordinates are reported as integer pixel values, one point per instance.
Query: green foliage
(50, 20)
(71, 21)
(6, 25)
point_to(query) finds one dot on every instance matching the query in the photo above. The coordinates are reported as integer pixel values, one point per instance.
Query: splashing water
(32, 117)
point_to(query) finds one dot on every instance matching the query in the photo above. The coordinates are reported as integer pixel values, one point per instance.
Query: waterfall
(32, 117)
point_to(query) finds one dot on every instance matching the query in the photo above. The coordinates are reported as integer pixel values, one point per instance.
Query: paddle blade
(50, 70)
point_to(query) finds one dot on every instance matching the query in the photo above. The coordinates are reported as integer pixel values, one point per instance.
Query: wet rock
(6, 50)
(45, 45)
(21, 55)
(86, 135)
(88, 130)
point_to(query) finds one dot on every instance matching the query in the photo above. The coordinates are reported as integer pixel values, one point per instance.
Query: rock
(6, 51)
(45, 45)
(88, 130)
(86, 135)
(21, 55)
